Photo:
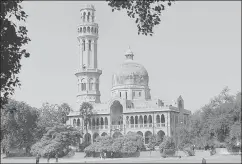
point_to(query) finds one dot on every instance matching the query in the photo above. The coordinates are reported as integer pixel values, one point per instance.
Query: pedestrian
(48, 158)
(105, 155)
(203, 160)
(56, 157)
(37, 158)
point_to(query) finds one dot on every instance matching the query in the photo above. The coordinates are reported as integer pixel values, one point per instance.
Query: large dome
(131, 73)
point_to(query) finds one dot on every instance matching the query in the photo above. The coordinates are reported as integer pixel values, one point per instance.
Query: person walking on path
(56, 157)
(48, 158)
(37, 158)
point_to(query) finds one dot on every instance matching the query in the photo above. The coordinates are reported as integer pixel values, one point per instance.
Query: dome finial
(129, 54)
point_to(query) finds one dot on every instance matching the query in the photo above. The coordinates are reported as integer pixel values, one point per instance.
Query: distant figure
(204, 160)
(37, 158)
(56, 157)
(48, 158)
(193, 147)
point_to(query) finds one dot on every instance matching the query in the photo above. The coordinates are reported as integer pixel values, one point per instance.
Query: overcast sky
(195, 51)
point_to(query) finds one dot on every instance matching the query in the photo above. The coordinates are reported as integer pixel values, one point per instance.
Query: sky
(195, 51)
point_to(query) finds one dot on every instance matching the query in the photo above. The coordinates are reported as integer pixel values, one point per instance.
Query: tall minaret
(88, 73)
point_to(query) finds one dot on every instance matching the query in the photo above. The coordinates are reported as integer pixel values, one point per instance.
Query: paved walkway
(193, 159)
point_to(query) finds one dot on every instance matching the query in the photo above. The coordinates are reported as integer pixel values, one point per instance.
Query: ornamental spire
(129, 54)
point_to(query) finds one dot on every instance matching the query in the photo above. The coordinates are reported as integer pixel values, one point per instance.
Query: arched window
(88, 16)
(80, 30)
(145, 119)
(84, 17)
(102, 122)
(83, 85)
(88, 29)
(92, 29)
(162, 119)
(91, 84)
(95, 30)
(78, 122)
(90, 44)
(74, 122)
(84, 29)
(136, 119)
(158, 119)
(83, 44)
(131, 120)
(106, 121)
(150, 119)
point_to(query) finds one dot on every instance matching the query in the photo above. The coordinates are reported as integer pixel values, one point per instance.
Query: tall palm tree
(86, 113)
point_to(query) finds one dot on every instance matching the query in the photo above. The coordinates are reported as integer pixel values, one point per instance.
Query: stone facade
(130, 108)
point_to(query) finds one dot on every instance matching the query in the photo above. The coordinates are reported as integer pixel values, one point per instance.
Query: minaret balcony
(88, 70)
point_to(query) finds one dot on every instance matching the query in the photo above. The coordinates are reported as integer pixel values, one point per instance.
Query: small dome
(131, 72)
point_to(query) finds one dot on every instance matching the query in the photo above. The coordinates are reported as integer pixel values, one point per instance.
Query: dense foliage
(167, 147)
(18, 125)
(126, 145)
(56, 141)
(22, 125)
(13, 38)
(145, 13)
(217, 124)
(152, 142)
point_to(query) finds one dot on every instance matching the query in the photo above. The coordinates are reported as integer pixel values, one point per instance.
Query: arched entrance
(95, 135)
(160, 136)
(116, 113)
(117, 134)
(87, 138)
(140, 133)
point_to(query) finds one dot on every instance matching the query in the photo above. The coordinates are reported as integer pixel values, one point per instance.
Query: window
(84, 16)
(120, 94)
(83, 44)
(83, 85)
(139, 94)
(90, 44)
(126, 95)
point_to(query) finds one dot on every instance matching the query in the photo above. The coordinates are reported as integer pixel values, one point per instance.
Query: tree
(86, 113)
(57, 139)
(64, 109)
(18, 125)
(146, 13)
(49, 115)
(167, 147)
(13, 38)
(152, 142)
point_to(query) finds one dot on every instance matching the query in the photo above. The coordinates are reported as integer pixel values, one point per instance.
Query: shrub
(167, 147)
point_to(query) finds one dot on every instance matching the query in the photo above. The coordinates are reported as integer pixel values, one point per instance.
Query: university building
(130, 108)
